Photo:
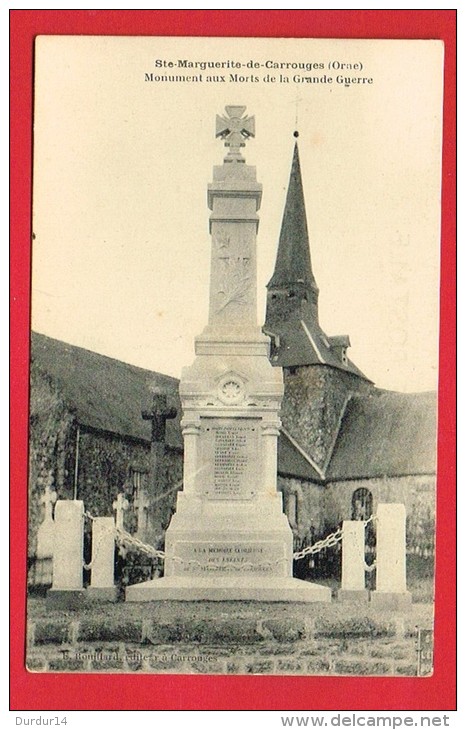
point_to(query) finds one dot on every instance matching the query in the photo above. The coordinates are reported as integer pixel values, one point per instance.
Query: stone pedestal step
(226, 588)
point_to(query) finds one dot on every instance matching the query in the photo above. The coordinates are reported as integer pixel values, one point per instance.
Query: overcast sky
(121, 251)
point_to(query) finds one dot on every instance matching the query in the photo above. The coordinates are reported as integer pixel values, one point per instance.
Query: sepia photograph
(234, 356)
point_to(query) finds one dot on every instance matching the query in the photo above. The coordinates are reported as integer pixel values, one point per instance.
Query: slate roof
(303, 342)
(293, 463)
(293, 258)
(386, 434)
(106, 394)
(301, 339)
(382, 434)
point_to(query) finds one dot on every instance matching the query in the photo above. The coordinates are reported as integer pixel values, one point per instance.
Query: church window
(136, 480)
(361, 504)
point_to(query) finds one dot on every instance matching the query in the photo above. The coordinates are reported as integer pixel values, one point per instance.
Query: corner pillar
(391, 590)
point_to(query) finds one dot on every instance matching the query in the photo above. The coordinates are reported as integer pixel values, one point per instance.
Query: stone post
(46, 531)
(391, 558)
(353, 568)
(102, 587)
(67, 588)
(45, 541)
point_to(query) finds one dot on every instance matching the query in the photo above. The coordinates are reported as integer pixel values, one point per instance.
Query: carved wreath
(236, 285)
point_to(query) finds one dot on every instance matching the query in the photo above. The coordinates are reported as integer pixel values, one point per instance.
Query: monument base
(98, 593)
(391, 601)
(229, 588)
(358, 596)
(65, 598)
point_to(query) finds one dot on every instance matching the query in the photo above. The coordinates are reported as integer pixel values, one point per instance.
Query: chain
(124, 538)
(333, 539)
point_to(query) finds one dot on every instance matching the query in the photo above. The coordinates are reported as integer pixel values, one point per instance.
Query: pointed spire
(292, 316)
(293, 264)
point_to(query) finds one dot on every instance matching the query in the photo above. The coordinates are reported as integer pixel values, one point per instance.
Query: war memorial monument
(229, 538)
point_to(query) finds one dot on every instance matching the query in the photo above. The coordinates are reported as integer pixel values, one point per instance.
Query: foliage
(104, 462)
(132, 567)
(50, 429)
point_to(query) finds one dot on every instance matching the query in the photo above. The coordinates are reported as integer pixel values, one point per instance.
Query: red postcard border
(166, 692)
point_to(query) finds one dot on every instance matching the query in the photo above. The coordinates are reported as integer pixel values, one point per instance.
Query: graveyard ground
(229, 637)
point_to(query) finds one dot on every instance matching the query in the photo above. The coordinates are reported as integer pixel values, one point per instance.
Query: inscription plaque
(237, 558)
(230, 455)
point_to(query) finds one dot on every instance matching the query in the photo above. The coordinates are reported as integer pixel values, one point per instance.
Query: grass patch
(355, 628)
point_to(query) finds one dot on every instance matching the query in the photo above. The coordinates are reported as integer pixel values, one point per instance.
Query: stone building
(345, 444)
(89, 440)
(357, 444)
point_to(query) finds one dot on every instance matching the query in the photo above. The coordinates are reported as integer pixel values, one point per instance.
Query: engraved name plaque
(231, 457)
(237, 558)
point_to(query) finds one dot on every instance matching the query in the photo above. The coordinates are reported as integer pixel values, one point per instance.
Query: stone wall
(324, 390)
(416, 492)
(314, 511)
(105, 466)
(51, 427)
(321, 509)
(302, 504)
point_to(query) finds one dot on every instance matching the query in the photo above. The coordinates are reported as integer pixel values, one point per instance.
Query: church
(345, 445)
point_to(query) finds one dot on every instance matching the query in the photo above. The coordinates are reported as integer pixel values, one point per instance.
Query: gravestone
(229, 538)
(67, 587)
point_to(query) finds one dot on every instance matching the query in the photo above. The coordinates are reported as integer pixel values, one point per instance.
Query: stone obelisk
(229, 538)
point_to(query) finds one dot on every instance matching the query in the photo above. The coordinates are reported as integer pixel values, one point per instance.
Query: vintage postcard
(234, 356)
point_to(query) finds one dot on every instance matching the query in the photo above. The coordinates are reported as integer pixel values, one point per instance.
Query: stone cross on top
(234, 129)
(158, 415)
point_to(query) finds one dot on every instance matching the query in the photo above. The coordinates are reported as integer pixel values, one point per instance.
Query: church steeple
(292, 317)
(293, 265)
